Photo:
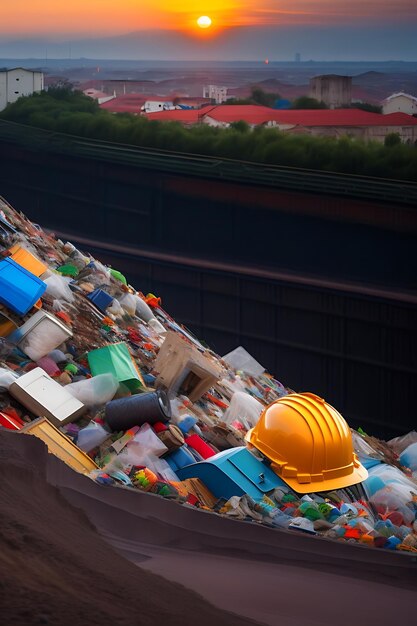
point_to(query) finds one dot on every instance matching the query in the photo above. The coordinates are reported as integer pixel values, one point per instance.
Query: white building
(153, 106)
(216, 93)
(100, 96)
(400, 103)
(18, 82)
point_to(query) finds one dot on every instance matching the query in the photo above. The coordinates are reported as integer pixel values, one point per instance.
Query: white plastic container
(44, 397)
(41, 334)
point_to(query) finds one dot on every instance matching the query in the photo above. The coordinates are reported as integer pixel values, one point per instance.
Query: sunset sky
(93, 19)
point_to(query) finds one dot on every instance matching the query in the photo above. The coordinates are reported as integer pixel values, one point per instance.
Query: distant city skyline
(247, 30)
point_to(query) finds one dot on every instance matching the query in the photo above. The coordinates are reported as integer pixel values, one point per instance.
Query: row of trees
(70, 112)
(270, 99)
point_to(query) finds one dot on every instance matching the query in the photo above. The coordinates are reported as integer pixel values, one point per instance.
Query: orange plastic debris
(64, 317)
(152, 300)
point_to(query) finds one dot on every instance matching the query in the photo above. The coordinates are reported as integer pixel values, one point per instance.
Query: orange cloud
(91, 17)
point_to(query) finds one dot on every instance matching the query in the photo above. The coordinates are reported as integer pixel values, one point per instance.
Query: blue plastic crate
(101, 299)
(19, 288)
(180, 458)
(233, 473)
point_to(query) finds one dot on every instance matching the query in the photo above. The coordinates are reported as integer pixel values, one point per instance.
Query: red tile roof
(256, 114)
(185, 116)
(95, 93)
(343, 117)
(125, 104)
(302, 117)
(250, 113)
(400, 119)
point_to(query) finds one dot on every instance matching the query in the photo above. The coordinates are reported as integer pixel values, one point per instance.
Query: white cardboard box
(42, 395)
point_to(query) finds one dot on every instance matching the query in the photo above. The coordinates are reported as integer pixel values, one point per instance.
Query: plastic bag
(57, 287)
(394, 498)
(7, 377)
(243, 409)
(78, 259)
(148, 441)
(128, 302)
(363, 449)
(233, 384)
(91, 436)
(140, 452)
(157, 326)
(399, 444)
(130, 456)
(6, 348)
(95, 274)
(240, 359)
(390, 491)
(49, 366)
(59, 305)
(143, 310)
(115, 309)
(58, 356)
(161, 468)
(409, 457)
(100, 272)
(93, 391)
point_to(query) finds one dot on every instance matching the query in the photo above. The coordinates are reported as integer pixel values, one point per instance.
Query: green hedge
(71, 112)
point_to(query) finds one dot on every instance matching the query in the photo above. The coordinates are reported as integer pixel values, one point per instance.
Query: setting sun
(204, 21)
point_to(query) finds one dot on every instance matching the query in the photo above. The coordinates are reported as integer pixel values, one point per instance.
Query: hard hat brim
(358, 475)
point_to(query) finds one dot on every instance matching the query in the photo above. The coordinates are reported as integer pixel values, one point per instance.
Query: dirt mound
(55, 569)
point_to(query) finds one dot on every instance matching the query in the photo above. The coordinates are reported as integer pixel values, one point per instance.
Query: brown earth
(60, 567)
(55, 569)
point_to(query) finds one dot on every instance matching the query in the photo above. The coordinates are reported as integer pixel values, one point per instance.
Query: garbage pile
(124, 394)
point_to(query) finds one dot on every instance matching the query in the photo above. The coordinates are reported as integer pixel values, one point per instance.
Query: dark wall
(312, 234)
(329, 336)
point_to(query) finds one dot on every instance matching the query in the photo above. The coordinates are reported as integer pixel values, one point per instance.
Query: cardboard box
(43, 396)
(182, 368)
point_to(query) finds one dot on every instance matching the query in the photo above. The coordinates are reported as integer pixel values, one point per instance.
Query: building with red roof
(132, 103)
(100, 96)
(187, 117)
(323, 122)
(125, 104)
(316, 122)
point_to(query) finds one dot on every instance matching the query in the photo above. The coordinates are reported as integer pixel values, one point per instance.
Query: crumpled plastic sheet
(399, 444)
(57, 287)
(243, 409)
(363, 449)
(91, 436)
(7, 378)
(96, 390)
(409, 457)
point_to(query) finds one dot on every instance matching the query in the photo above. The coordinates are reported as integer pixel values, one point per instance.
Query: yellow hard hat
(309, 444)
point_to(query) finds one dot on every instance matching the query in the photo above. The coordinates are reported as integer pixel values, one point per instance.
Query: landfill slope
(55, 569)
(147, 430)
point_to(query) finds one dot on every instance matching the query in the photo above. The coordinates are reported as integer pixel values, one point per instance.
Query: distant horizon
(256, 62)
(216, 61)
(322, 43)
